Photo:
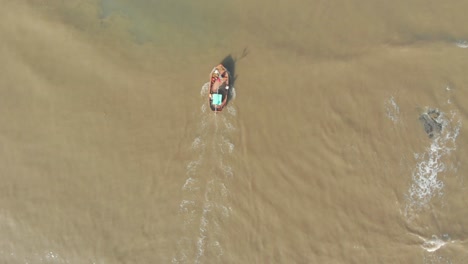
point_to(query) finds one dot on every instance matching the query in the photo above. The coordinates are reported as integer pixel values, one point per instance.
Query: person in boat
(219, 80)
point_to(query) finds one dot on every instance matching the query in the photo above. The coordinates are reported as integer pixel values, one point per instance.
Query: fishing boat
(219, 88)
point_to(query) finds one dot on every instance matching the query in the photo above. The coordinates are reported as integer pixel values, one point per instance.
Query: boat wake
(205, 204)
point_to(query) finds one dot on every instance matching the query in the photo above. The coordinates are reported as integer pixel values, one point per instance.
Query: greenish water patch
(157, 20)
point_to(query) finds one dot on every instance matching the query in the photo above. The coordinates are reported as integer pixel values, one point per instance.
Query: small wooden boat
(219, 88)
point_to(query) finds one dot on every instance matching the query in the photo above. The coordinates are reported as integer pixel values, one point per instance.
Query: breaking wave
(426, 181)
(433, 244)
(462, 44)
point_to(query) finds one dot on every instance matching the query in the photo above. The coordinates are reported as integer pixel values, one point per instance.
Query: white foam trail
(204, 108)
(228, 125)
(185, 205)
(182, 258)
(202, 236)
(197, 143)
(204, 89)
(213, 207)
(226, 146)
(430, 164)
(218, 247)
(233, 93)
(192, 165)
(231, 110)
(207, 175)
(190, 184)
(224, 190)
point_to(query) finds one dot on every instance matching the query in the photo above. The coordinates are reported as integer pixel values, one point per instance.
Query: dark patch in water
(230, 63)
(431, 122)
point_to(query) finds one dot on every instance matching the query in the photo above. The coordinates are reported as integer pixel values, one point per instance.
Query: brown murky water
(109, 152)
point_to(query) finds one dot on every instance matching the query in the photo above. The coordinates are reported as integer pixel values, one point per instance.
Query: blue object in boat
(217, 98)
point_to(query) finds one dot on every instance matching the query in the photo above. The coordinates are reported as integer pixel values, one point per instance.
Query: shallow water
(110, 153)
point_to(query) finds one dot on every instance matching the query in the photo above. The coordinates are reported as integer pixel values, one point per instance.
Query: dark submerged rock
(431, 122)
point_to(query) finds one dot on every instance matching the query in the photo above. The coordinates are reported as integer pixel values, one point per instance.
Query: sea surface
(344, 140)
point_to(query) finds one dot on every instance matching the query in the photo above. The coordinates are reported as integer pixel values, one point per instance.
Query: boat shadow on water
(230, 64)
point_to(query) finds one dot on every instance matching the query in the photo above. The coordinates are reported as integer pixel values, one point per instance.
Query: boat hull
(219, 88)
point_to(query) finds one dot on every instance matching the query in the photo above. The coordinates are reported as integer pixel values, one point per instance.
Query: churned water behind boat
(344, 140)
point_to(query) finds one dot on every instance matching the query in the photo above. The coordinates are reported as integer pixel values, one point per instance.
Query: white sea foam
(203, 229)
(218, 247)
(226, 211)
(203, 108)
(436, 259)
(392, 109)
(226, 146)
(224, 190)
(433, 244)
(51, 256)
(231, 110)
(227, 170)
(462, 44)
(213, 207)
(192, 165)
(190, 184)
(233, 93)
(186, 206)
(228, 125)
(204, 89)
(197, 143)
(426, 183)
